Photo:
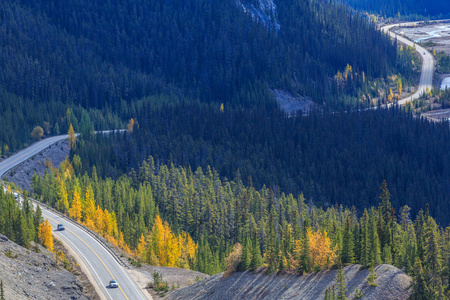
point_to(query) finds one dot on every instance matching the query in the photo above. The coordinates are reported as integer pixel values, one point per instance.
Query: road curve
(102, 265)
(427, 73)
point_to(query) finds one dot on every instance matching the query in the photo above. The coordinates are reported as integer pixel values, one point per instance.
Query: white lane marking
(135, 287)
(86, 260)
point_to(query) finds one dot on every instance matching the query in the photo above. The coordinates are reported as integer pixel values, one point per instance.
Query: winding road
(103, 266)
(99, 264)
(427, 73)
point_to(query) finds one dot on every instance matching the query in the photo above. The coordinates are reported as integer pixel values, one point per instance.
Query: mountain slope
(35, 275)
(392, 284)
(98, 53)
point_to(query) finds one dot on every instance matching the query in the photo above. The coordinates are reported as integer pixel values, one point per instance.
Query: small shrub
(358, 294)
(160, 286)
(197, 279)
(134, 262)
(372, 277)
(9, 254)
(233, 260)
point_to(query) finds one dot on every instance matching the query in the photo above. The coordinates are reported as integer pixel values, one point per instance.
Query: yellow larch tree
(140, 250)
(63, 202)
(120, 241)
(399, 87)
(100, 224)
(391, 95)
(75, 211)
(45, 235)
(321, 251)
(66, 168)
(166, 248)
(71, 137)
(89, 209)
(130, 125)
(188, 246)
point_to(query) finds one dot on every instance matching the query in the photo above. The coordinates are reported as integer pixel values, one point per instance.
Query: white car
(113, 284)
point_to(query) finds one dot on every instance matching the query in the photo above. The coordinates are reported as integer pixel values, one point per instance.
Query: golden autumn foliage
(45, 235)
(89, 209)
(164, 248)
(130, 125)
(140, 250)
(75, 210)
(63, 203)
(320, 249)
(233, 260)
(72, 137)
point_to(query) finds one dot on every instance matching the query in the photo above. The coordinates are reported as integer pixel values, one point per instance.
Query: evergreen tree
(271, 246)
(419, 287)
(375, 252)
(385, 216)
(372, 277)
(365, 259)
(342, 286)
(256, 252)
(2, 293)
(305, 261)
(348, 255)
(246, 255)
(433, 264)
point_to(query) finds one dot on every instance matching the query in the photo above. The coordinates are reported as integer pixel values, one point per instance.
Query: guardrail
(82, 227)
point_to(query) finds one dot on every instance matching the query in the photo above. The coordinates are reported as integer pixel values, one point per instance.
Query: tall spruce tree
(433, 263)
(256, 252)
(348, 255)
(341, 284)
(305, 262)
(374, 250)
(419, 287)
(365, 259)
(2, 292)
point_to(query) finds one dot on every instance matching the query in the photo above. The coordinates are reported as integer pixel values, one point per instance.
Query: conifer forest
(202, 169)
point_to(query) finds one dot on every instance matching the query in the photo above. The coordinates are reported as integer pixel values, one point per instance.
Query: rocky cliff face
(264, 11)
(392, 283)
(29, 275)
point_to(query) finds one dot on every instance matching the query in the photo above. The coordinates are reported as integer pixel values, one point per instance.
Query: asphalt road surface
(99, 262)
(426, 76)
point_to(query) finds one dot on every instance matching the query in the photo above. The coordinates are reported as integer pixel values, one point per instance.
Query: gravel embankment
(392, 285)
(21, 175)
(30, 275)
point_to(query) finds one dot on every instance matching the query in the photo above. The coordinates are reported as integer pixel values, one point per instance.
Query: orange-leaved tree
(75, 210)
(321, 253)
(164, 248)
(45, 235)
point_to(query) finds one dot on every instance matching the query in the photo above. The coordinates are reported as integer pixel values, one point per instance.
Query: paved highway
(27, 153)
(426, 77)
(100, 263)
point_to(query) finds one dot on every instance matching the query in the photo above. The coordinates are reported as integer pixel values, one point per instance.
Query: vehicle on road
(16, 195)
(60, 227)
(113, 284)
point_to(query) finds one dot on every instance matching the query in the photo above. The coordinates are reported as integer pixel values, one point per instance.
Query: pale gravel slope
(392, 285)
(34, 276)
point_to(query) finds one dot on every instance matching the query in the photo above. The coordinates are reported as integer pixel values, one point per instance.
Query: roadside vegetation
(256, 228)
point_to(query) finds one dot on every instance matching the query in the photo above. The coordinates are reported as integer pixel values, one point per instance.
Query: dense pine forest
(209, 170)
(253, 227)
(404, 8)
(105, 57)
(331, 159)
(20, 224)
